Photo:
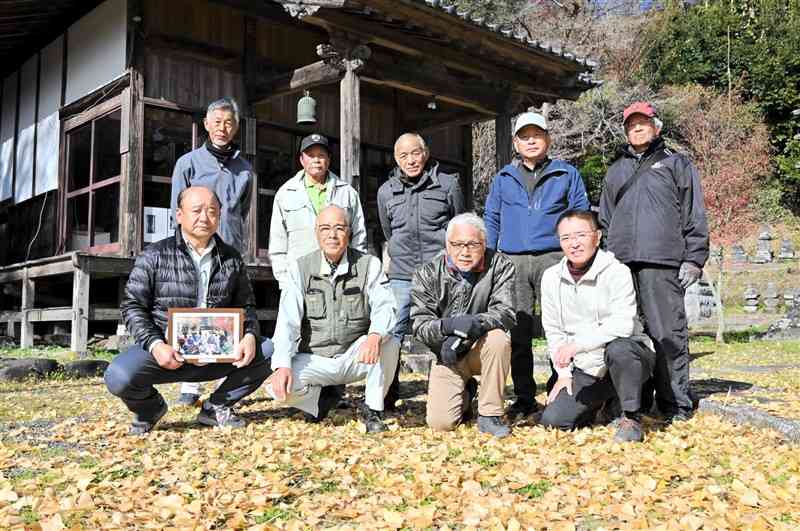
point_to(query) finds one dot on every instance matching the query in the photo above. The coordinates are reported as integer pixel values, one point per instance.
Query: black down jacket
(164, 276)
(438, 292)
(414, 216)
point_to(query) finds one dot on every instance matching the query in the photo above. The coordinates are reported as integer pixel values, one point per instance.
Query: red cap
(640, 107)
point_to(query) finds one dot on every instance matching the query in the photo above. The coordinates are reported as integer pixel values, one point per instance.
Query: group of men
(474, 289)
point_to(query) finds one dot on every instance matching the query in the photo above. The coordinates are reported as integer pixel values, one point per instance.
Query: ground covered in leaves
(66, 462)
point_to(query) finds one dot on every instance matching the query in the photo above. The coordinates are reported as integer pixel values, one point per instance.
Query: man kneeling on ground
(334, 326)
(193, 269)
(463, 309)
(594, 335)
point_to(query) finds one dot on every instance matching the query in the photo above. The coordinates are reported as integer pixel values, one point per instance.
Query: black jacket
(414, 217)
(164, 276)
(438, 293)
(661, 219)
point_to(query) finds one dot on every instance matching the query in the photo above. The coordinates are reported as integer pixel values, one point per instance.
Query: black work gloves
(469, 326)
(453, 348)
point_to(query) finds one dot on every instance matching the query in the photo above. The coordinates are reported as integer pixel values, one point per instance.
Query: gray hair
(225, 104)
(335, 207)
(467, 218)
(415, 136)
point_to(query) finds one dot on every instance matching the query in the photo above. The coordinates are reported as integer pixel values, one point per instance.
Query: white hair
(335, 207)
(415, 136)
(467, 218)
(224, 104)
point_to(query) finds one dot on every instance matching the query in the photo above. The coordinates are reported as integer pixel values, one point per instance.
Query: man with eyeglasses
(463, 309)
(414, 206)
(334, 326)
(653, 212)
(525, 199)
(596, 341)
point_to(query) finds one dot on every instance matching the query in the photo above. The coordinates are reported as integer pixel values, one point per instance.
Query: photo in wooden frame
(206, 335)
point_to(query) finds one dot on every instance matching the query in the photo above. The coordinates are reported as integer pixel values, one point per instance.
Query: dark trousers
(660, 297)
(528, 281)
(133, 373)
(629, 364)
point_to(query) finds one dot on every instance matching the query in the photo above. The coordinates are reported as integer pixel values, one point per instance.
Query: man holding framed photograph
(193, 269)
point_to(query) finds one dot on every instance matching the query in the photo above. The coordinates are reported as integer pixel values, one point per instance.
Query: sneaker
(472, 392)
(521, 409)
(329, 398)
(222, 416)
(187, 399)
(493, 426)
(680, 416)
(628, 430)
(141, 427)
(373, 420)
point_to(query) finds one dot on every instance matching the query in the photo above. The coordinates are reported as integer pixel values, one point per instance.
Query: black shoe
(521, 409)
(628, 430)
(472, 392)
(187, 399)
(221, 416)
(680, 416)
(329, 398)
(373, 420)
(143, 426)
(493, 426)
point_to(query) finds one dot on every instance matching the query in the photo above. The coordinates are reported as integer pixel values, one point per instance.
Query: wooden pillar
(502, 142)
(28, 297)
(10, 328)
(350, 131)
(468, 186)
(80, 311)
(132, 159)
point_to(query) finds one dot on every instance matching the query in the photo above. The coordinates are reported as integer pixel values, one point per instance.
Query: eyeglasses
(576, 236)
(417, 153)
(460, 246)
(325, 230)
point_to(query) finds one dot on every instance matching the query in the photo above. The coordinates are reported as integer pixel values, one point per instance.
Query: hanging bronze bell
(307, 109)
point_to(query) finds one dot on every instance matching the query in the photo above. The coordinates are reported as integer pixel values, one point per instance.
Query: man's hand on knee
(246, 351)
(281, 382)
(561, 383)
(370, 350)
(452, 350)
(167, 357)
(468, 325)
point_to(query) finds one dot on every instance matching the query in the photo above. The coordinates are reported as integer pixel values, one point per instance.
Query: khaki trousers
(490, 357)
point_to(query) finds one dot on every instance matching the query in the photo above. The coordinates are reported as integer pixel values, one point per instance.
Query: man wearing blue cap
(525, 200)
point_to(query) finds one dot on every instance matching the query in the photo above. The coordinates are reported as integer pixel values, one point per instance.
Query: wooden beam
(304, 78)
(28, 299)
(79, 329)
(60, 314)
(94, 264)
(502, 143)
(439, 121)
(350, 127)
(44, 270)
(130, 197)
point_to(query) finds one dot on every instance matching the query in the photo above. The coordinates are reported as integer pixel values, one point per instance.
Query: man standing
(463, 309)
(525, 200)
(596, 341)
(334, 325)
(194, 268)
(653, 213)
(414, 206)
(218, 166)
(300, 200)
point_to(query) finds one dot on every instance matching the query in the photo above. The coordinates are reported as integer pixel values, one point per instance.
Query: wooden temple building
(98, 99)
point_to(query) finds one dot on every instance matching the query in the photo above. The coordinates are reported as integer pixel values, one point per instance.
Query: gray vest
(335, 314)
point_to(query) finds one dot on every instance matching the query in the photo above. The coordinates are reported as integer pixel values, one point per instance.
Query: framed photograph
(206, 335)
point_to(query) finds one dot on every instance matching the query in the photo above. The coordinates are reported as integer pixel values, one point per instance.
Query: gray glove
(689, 274)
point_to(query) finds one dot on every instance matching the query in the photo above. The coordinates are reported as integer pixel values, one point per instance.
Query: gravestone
(763, 247)
(751, 299)
(738, 254)
(770, 297)
(699, 302)
(787, 250)
(789, 326)
(789, 298)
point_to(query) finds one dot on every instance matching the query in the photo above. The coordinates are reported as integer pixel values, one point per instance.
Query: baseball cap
(314, 140)
(640, 107)
(530, 118)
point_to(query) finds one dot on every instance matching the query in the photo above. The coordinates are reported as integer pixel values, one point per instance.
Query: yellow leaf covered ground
(66, 463)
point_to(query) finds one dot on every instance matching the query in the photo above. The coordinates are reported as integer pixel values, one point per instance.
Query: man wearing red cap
(653, 213)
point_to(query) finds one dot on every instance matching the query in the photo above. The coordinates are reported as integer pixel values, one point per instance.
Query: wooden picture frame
(206, 335)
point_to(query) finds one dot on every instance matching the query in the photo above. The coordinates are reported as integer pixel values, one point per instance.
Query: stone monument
(787, 250)
(750, 299)
(699, 302)
(738, 254)
(789, 326)
(770, 296)
(764, 247)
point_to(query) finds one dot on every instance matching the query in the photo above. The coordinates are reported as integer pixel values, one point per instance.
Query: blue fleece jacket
(519, 222)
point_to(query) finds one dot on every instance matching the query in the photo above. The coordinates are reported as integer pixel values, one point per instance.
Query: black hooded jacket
(661, 219)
